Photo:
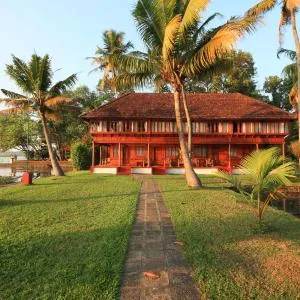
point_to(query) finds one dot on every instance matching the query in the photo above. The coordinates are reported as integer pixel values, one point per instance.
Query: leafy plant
(81, 155)
(264, 172)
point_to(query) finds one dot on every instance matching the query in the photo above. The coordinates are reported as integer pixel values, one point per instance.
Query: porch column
(93, 154)
(283, 150)
(148, 158)
(100, 157)
(119, 154)
(257, 147)
(229, 155)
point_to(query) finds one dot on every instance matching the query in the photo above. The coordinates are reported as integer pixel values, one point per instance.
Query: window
(140, 151)
(115, 151)
(224, 127)
(200, 151)
(172, 151)
(234, 152)
(163, 126)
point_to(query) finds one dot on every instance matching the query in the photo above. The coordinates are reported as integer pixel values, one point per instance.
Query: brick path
(153, 249)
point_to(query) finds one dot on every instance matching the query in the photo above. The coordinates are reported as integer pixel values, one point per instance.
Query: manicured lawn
(231, 259)
(65, 238)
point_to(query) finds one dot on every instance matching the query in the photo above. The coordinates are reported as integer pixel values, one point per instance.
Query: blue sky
(70, 30)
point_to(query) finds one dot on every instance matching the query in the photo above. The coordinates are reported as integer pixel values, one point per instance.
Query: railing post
(119, 154)
(93, 154)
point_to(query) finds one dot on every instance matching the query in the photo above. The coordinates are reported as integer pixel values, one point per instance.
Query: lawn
(65, 238)
(231, 259)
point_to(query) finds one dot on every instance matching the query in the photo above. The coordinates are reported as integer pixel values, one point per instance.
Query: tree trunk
(297, 44)
(191, 177)
(57, 170)
(188, 121)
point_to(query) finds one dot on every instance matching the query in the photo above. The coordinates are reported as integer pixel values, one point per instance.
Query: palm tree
(265, 171)
(39, 95)
(290, 71)
(113, 45)
(288, 16)
(181, 47)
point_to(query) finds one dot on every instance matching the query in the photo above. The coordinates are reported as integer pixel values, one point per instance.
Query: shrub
(81, 155)
(295, 147)
(6, 179)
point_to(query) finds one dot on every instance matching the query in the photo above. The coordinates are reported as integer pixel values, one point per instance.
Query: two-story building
(136, 133)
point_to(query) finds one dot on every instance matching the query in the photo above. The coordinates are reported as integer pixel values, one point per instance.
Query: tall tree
(288, 16)
(175, 36)
(39, 95)
(238, 77)
(114, 44)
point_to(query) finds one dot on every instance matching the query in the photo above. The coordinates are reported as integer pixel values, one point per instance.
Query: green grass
(65, 238)
(230, 258)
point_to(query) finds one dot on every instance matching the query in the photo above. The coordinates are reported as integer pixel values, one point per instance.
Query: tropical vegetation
(265, 171)
(39, 95)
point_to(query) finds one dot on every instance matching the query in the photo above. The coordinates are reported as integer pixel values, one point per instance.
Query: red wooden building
(136, 133)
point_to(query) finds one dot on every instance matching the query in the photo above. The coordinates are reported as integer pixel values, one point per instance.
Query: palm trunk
(188, 121)
(297, 44)
(57, 170)
(191, 177)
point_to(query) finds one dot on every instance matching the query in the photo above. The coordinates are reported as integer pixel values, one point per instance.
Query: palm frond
(62, 86)
(261, 8)
(191, 13)
(45, 73)
(131, 80)
(284, 20)
(288, 53)
(170, 36)
(12, 95)
(57, 101)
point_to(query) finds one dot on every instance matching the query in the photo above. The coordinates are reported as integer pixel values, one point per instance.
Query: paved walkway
(155, 266)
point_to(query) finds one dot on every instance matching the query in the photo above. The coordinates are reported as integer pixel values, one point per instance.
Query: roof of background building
(201, 107)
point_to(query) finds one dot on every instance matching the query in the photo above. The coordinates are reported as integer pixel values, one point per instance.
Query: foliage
(265, 171)
(279, 89)
(40, 95)
(65, 238)
(114, 45)
(295, 147)
(237, 77)
(230, 260)
(87, 99)
(6, 180)
(81, 155)
(19, 132)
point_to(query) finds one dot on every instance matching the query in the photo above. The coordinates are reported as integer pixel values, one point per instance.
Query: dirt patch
(277, 260)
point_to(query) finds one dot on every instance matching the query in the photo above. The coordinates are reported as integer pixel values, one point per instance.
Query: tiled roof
(201, 106)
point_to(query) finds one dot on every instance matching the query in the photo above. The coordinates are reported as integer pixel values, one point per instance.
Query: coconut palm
(265, 171)
(113, 45)
(176, 37)
(290, 71)
(38, 94)
(288, 16)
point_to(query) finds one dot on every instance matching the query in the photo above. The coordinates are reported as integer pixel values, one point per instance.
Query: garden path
(155, 266)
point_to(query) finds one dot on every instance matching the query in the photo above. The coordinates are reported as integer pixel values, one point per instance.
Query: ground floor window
(234, 152)
(200, 151)
(140, 151)
(115, 151)
(172, 151)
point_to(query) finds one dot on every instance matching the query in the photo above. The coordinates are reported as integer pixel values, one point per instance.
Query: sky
(70, 30)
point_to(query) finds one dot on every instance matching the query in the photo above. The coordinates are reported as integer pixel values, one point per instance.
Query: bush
(6, 179)
(81, 155)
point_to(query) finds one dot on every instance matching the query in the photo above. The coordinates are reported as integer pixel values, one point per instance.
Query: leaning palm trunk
(191, 177)
(57, 170)
(297, 44)
(188, 121)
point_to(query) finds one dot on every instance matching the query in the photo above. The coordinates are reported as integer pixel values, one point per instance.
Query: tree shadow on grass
(85, 264)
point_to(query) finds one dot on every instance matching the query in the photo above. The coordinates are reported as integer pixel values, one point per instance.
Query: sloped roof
(201, 107)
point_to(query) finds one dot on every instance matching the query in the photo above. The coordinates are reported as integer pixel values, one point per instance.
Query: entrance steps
(159, 170)
(124, 171)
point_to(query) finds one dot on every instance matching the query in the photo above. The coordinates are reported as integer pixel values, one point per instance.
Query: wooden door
(126, 155)
(158, 155)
